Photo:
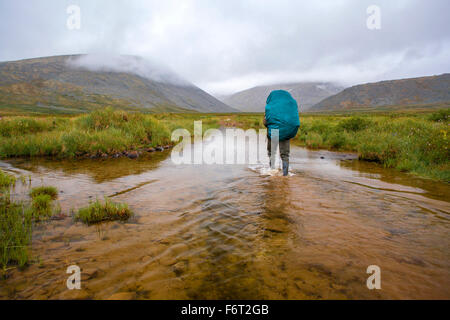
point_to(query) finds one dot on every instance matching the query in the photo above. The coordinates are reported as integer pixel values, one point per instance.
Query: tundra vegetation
(415, 143)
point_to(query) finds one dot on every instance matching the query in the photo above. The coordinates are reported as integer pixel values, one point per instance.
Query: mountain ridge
(55, 81)
(306, 93)
(405, 92)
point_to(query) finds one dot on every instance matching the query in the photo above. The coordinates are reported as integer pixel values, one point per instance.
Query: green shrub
(314, 140)
(98, 212)
(44, 190)
(337, 140)
(354, 124)
(320, 126)
(440, 116)
(103, 119)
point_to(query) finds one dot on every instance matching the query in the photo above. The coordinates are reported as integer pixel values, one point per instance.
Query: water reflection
(100, 170)
(427, 187)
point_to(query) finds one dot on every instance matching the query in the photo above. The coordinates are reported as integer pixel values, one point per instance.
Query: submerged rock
(58, 217)
(179, 268)
(151, 150)
(89, 274)
(159, 149)
(133, 155)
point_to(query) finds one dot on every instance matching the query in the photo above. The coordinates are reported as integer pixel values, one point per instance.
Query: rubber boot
(285, 167)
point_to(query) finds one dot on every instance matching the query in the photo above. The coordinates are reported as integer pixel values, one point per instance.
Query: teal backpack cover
(282, 114)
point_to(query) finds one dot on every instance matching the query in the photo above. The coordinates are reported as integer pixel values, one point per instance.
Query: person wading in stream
(282, 121)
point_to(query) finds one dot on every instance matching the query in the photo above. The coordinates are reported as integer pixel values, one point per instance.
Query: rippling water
(240, 232)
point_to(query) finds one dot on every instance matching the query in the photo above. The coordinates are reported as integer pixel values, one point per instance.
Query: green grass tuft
(44, 190)
(354, 124)
(99, 211)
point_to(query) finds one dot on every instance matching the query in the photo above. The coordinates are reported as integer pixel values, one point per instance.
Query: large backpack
(282, 114)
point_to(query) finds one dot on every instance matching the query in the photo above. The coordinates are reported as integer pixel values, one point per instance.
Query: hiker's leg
(285, 148)
(272, 145)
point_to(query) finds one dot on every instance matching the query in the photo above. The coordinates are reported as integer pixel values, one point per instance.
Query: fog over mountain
(307, 94)
(127, 64)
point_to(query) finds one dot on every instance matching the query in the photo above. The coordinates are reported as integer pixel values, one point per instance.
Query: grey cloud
(224, 46)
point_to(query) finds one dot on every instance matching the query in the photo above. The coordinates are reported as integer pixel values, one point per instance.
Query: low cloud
(127, 64)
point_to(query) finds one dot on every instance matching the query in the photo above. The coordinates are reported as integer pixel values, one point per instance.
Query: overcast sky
(230, 45)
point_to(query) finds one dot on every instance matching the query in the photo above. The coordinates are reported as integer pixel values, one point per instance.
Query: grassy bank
(416, 143)
(102, 132)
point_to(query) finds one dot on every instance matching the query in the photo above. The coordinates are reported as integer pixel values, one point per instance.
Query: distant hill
(405, 92)
(306, 93)
(80, 83)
